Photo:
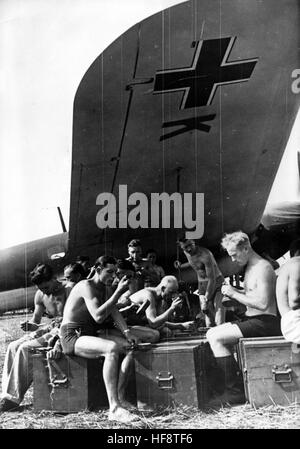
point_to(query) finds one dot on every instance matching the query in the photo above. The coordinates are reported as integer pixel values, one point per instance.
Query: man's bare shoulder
(38, 298)
(145, 293)
(293, 262)
(204, 255)
(291, 266)
(264, 268)
(83, 288)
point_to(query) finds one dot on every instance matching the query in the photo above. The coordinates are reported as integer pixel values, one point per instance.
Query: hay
(184, 417)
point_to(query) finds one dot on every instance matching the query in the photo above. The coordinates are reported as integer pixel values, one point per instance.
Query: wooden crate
(271, 370)
(173, 373)
(77, 384)
(187, 335)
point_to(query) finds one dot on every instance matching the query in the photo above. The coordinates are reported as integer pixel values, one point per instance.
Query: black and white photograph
(150, 217)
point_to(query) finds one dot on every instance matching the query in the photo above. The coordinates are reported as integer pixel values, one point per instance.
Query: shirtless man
(141, 265)
(90, 303)
(288, 295)
(132, 312)
(260, 318)
(85, 263)
(157, 272)
(17, 373)
(125, 268)
(73, 273)
(210, 280)
(157, 315)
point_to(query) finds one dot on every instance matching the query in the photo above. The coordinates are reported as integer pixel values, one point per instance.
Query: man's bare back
(157, 315)
(288, 298)
(288, 285)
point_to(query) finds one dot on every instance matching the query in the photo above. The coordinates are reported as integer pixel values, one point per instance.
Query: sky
(46, 46)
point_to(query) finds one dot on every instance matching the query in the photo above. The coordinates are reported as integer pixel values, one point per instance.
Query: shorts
(259, 325)
(69, 334)
(290, 326)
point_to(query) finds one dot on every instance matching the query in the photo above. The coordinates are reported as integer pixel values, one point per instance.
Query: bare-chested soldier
(133, 313)
(17, 373)
(86, 310)
(288, 295)
(260, 318)
(157, 315)
(210, 280)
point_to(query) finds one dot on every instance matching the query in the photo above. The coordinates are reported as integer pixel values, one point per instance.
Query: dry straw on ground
(184, 417)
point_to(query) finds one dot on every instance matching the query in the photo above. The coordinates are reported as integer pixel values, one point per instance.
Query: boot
(233, 383)
(216, 378)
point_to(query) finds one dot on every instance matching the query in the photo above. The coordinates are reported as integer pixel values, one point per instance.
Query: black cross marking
(188, 125)
(210, 68)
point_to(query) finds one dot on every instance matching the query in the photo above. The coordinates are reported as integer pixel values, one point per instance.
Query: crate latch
(165, 380)
(282, 374)
(56, 376)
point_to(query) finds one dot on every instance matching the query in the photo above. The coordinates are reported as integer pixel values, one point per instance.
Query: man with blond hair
(260, 318)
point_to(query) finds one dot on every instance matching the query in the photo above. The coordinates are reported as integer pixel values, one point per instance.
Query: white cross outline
(224, 63)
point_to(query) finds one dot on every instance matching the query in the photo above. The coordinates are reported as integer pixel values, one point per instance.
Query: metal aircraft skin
(197, 98)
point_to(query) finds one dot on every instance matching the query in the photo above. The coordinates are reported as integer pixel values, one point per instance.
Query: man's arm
(122, 326)
(282, 291)
(98, 307)
(186, 325)
(156, 321)
(260, 298)
(210, 273)
(181, 266)
(39, 309)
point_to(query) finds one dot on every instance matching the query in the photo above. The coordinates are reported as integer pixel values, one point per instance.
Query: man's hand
(176, 302)
(177, 264)
(56, 352)
(203, 303)
(29, 326)
(131, 337)
(228, 290)
(123, 284)
(123, 302)
(188, 325)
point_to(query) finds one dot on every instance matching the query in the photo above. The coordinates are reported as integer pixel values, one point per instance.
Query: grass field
(238, 417)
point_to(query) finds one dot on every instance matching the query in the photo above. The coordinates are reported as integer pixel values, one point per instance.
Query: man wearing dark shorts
(87, 331)
(260, 319)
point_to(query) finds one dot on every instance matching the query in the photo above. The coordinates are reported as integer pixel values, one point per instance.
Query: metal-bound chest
(69, 384)
(173, 373)
(271, 370)
(187, 335)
